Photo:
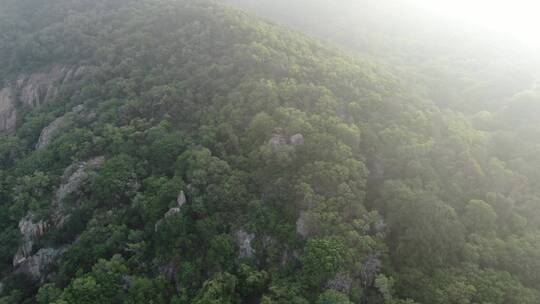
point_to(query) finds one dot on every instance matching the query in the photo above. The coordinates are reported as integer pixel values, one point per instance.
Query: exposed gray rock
(303, 225)
(341, 282)
(297, 139)
(39, 88)
(278, 142)
(268, 242)
(37, 265)
(170, 272)
(172, 212)
(243, 240)
(81, 71)
(8, 115)
(30, 231)
(180, 201)
(54, 128)
(370, 269)
(77, 109)
(50, 132)
(33, 90)
(73, 178)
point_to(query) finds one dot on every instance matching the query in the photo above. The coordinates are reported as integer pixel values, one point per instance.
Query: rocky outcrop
(243, 240)
(370, 269)
(39, 88)
(72, 180)
(280, 142)
(342, 282)
(171, 273)
(297, 139)
(303, 225)
(8, 115)
(30, 231)
(37, 265)
(180, 201)
(33, 90)
(50, 132)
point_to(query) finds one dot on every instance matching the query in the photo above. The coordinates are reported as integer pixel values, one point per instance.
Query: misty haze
(269, 152)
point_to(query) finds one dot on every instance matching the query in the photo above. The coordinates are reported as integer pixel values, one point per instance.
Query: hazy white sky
(520, 18)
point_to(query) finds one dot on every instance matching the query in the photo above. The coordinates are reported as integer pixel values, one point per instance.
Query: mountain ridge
(206, 156)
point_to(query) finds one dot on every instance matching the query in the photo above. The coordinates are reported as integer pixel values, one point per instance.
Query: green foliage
(354, 185)
(219, 289)
(333, 297)
(321, 260)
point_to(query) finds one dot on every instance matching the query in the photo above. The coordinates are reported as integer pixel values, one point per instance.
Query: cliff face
(8, 114)
(32, 90)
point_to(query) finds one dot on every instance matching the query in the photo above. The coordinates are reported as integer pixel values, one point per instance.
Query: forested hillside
(160, 151)
(456, 64)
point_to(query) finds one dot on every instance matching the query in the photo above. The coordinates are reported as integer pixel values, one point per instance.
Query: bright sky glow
(519, 18)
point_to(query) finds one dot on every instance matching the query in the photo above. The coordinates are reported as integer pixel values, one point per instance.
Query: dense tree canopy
(207, 156)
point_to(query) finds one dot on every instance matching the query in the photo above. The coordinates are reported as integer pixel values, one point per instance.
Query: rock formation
(297, 139)
(180, 201)
(33, 90)
(37, 265)
(341, 282)
(50, 132)
(280, 142)
(39, 88)
(73, 178)
(243, 240)
(303, 225)
(370, 269)
(8, 115)
(30, 231)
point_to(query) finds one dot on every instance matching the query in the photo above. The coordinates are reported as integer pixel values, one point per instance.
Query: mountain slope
(185, 152)
(458, 65)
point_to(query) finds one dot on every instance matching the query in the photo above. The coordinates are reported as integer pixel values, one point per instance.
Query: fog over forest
(269, 152)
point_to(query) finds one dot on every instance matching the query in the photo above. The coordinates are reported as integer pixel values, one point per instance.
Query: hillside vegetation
(158, 151)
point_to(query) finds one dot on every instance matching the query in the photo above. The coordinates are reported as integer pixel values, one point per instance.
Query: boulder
(297, 139)
(278, 142)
